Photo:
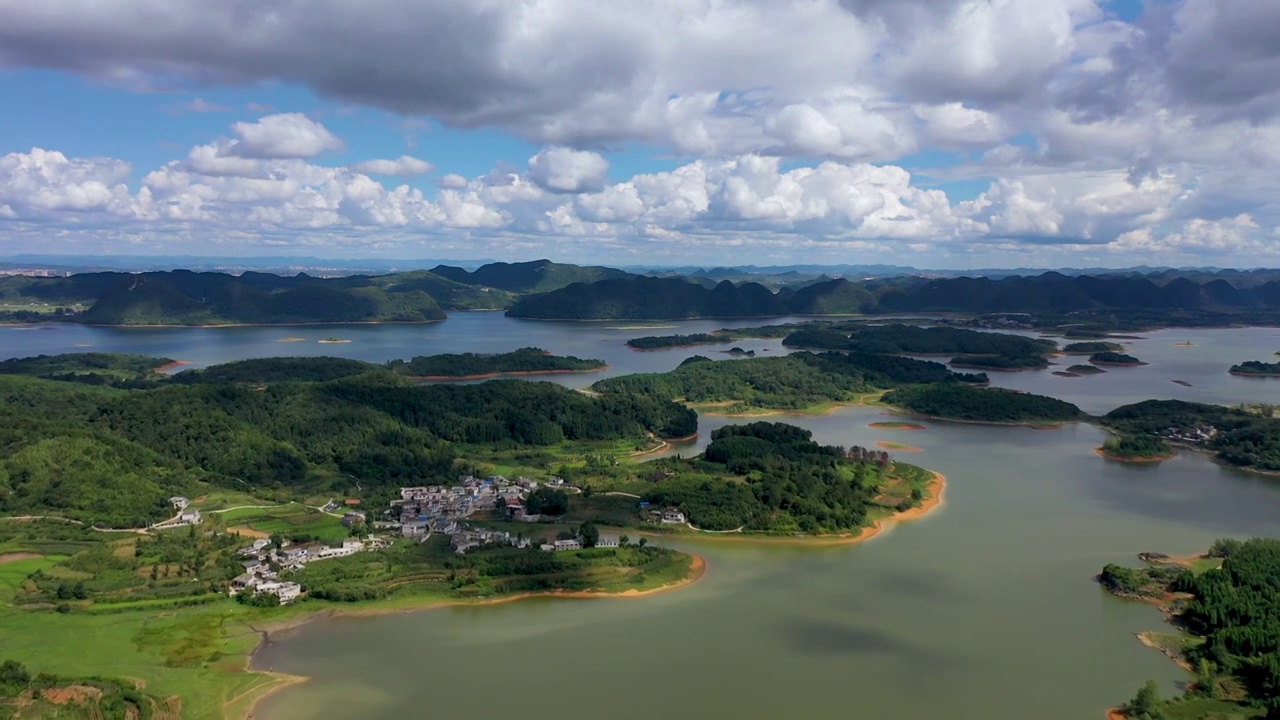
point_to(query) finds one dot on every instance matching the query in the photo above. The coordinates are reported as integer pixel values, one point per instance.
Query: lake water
(986, 608)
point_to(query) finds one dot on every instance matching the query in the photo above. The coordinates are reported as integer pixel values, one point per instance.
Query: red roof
(351, 501)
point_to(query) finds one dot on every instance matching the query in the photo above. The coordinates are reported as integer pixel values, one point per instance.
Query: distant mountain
(671, 298)
(535, 276)
(646, 298)
(183, 297)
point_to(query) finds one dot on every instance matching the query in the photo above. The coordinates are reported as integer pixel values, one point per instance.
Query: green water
(984, 609)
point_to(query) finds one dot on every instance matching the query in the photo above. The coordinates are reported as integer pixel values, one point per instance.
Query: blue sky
(937, 132)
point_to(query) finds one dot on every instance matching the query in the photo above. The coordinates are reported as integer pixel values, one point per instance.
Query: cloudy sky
(934, 133)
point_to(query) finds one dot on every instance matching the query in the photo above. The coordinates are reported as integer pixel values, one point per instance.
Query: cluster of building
(265, 565)
(422, 511)
(1191, 436)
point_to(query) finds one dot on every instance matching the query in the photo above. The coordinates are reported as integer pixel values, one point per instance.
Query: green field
(288, 520)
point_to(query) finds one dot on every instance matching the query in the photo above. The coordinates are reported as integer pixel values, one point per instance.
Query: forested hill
(182, 297)
(672, 298)
(114, 457)
(646, 298)
(535, 276)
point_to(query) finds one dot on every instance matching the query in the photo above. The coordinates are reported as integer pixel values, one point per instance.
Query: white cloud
(569, 171)
(403, 166)
(286, 135)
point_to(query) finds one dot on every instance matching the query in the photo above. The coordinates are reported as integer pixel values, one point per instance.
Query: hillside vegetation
(963, 402)
(114, 457)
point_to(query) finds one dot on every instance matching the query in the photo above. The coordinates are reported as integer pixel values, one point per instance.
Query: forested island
(1091, 347)
(1256, 368)
(1228, 604)
(661, 342)
(1247, 438)
(957, 401)
(799, 381)
(1115, 359)
(471, 366)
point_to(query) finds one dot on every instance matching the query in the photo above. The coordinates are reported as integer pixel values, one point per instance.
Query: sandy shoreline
(169, 366)
(897, 446)
(512, 373)
(697, 569)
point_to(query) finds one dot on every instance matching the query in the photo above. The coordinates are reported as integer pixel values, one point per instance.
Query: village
(419, 513)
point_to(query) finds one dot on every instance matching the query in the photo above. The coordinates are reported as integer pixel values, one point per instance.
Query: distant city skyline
(935, 134)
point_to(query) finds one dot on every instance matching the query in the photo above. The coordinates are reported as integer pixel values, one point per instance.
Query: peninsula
(1225, 607)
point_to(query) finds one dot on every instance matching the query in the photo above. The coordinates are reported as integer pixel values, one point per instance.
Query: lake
(986, 608)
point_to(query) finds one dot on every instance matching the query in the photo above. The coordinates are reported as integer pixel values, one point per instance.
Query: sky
(931, 133)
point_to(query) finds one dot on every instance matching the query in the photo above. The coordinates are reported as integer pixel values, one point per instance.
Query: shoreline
(1237, 373)
(1135, 460)
(937, 488)
(664, 444)
(697, 570)
(512, 373)
(171, 365)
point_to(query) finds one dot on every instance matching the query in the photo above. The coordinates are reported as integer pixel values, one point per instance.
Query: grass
(1208, 709)
(292, 519)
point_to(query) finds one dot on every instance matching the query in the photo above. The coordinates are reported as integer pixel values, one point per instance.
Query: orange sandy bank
(169, 366)
(513, 373)
(1115, 714)
(937, 486)
(697, 569)
(897, 447)
(1133, 460)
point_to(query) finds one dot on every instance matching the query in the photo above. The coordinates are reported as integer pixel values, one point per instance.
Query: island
(1089, 348)
(1085, 370)
(662, 342)
(1256, 368)
(1115, 359)
(799, 382)
(475, 366)
(1225, 611)
(960, 402)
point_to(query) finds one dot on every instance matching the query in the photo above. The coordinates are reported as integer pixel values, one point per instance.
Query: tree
(643, 542)
(624, 540)
(590, 534)
(1146, 704)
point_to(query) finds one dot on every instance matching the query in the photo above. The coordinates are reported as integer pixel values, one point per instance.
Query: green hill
(182, 297)
(534, 276)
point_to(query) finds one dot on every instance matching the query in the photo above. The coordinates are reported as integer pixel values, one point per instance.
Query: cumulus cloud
(797, 116)
(286, 135)
(403, 166)
(563, 170)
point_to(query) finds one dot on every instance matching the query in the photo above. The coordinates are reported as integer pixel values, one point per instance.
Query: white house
(607, 541)
(673, 515)
(286, 591)
(573, 544)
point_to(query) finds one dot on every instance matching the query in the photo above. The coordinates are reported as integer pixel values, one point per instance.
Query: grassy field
(288, 520)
